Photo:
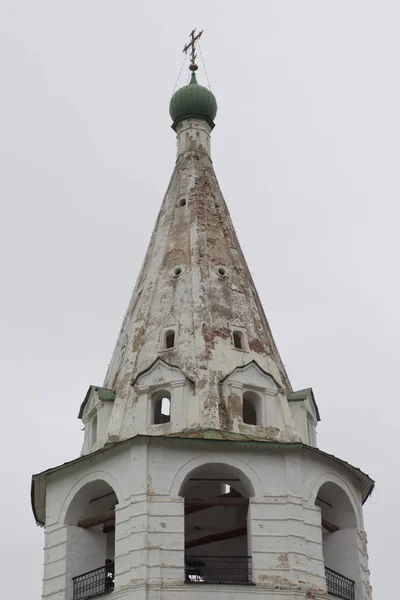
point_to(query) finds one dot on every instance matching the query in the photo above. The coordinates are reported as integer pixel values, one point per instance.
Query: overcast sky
(306, 149)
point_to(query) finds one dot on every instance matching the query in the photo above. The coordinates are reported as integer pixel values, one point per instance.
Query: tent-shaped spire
(195, 305)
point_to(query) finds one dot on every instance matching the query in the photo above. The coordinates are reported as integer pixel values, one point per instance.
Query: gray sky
(306, 149)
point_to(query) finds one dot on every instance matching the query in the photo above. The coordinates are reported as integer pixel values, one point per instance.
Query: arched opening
(161, 407)
(90, 521)
(169, 339)
(238, 340)
(251, 408)
(216, 531)
(339, 542)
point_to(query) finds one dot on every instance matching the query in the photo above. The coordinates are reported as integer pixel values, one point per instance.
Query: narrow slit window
(169, 339)
(94, 430)
(238, 340)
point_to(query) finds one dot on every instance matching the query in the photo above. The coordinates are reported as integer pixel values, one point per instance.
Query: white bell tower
(200, 476)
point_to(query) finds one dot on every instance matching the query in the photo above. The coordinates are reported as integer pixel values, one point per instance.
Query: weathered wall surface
(285, 535)
(195, 281)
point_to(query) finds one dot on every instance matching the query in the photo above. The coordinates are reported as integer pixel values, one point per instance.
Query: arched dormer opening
(251, 397)
(161, 407)
(238, 335)
(164, 396)
(216, 530)
(168, 333)
(251, 408)
(90, 521)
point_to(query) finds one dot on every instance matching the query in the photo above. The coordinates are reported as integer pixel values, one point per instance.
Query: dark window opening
(170, 339)
(161, 407)
(249, 413)
(238, 339)
(251, 408)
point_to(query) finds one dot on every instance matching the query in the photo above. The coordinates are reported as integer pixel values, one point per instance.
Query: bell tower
(200, 475)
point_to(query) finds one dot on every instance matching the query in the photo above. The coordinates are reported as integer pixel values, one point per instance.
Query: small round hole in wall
(182, 202)
(221, 271)
(176, 271)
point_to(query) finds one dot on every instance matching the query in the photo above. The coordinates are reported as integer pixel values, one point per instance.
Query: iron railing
(338, 585)
(93, 583)
(218, 569)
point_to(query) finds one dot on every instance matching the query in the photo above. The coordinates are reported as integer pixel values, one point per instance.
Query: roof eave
(110, 396)
(38, 487)
(39, 480)
(368, 484)
(301, 395)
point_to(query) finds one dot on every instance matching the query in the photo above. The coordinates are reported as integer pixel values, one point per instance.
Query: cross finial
(192, 44)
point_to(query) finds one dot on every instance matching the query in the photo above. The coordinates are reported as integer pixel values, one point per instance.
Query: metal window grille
(338, 585)
(93, 583)
(218, 569)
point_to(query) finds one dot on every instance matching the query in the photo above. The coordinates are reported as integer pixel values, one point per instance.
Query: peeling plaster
(199, 236)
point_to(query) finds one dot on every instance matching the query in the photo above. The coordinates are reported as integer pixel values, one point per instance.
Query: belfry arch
(90, 521)
(217, 546)
(340, 550)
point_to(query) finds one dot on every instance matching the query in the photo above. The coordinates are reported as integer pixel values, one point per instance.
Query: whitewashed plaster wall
(284, 523)
(195, 276)
(193, 134)
(276, 423)
(305, 422)
(95, 408)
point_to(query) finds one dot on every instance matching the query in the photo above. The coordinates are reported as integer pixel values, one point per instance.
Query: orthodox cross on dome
(192, 44)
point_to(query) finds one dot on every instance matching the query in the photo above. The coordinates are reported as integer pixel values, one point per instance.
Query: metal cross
(191, 44)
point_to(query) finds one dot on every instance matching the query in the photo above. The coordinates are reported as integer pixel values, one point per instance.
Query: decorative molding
(170, 321)
(84, 480)
(236, 324)
(250, 477)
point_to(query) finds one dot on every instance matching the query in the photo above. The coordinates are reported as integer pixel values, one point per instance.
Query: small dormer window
(93, 428)
(239, 335)
(169, 339)
(161, 407)
(238, 340)
(168, 334)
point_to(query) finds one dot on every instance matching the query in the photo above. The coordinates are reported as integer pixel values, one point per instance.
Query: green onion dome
(193, 101)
